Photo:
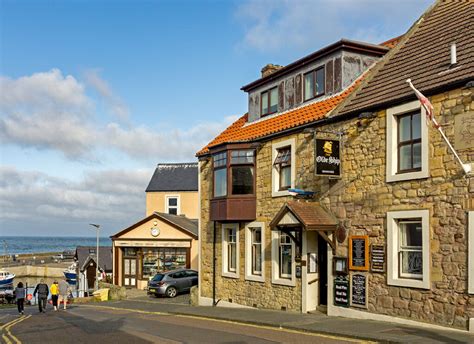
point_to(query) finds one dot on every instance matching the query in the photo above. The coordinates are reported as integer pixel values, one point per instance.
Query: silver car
(171, 283)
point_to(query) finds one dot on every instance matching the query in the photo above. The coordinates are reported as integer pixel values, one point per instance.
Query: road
(89, 324)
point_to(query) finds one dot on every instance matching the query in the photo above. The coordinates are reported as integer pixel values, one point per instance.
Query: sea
(25, 244)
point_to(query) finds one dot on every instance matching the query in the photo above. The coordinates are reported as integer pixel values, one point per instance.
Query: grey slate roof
(174, 177)
(105, 256)
(190, 225)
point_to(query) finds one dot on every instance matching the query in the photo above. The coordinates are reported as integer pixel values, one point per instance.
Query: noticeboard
(328, 158)
(341, 291)
(359, 290)
(377, 258)
(359, 252)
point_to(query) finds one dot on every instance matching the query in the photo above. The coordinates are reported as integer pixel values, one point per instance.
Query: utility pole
(96, 286)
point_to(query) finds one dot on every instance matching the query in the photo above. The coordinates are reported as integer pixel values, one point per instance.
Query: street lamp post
(96, 286)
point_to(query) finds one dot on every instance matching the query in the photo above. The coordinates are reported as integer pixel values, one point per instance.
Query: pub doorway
(323, 271)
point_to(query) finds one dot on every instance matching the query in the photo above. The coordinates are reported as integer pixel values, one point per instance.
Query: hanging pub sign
(359, 252)
(359, 290)
(328, 157)
(341, 291)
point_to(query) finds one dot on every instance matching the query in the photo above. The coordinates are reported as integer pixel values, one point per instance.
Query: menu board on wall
(341, 292)
(359, 290)
(359, 252)
(377, 259)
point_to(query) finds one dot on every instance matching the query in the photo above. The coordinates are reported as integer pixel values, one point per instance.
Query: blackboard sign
(328, 158)
(359, 290)
(359, 252)
(377, 259)
(341, 291)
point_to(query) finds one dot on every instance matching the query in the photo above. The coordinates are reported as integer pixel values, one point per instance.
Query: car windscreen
(158, 278)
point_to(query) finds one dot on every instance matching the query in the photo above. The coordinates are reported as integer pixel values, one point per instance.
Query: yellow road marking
(236, 322)
(9, 325)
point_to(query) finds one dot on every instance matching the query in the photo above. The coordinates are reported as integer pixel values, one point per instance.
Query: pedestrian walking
(63, 292)
(43, 291)
(20, 293)
(55, 294)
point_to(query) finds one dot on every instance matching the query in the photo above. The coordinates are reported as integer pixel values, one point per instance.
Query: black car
(171, 283)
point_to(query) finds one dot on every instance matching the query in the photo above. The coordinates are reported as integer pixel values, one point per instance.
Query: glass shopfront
(158, 259)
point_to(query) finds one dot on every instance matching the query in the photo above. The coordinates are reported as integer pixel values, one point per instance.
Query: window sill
(255, 278)
(230, 275)
(410, 283)
(285, 282)
(280, 193)
(407, 176)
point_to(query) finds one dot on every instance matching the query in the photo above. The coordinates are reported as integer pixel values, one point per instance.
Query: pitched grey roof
(105, 256)
(174, 177)
(190, 225)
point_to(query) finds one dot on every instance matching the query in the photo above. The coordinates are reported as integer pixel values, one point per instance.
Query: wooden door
(130, 272)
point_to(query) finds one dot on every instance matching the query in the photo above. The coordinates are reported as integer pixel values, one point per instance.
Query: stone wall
(361, 200)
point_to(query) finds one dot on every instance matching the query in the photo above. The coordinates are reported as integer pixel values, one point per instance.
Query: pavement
(314, 323)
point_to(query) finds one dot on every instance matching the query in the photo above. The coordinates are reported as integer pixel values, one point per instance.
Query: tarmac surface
(145, 319)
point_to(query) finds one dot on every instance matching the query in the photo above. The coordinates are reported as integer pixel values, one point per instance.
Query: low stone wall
(37, 271)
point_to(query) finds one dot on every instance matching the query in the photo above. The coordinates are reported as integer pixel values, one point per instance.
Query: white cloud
(50, 111)
(110, 196)
(303, 24)
(113, 101)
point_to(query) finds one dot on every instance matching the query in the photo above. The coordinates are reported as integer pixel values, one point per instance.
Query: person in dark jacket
(43, 291)
(20, 297)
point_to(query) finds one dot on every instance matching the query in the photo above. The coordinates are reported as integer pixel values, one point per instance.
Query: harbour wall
(37, 271)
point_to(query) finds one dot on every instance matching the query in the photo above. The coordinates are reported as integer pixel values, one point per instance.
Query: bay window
(220, 174)
(241, 167)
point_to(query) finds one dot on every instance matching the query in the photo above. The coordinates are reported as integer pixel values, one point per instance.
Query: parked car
(171, 283)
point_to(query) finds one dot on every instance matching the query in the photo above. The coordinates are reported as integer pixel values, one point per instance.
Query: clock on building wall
(155, 231)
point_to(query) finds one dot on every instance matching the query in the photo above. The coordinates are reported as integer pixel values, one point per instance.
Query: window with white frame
(284, 170)
(408, 236)
(230, 250)
(407, 142)
(172, 205)
(254, 252)
(283, 259)
(470, 263)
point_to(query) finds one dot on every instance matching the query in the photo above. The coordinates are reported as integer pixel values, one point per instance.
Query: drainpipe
(214, 266)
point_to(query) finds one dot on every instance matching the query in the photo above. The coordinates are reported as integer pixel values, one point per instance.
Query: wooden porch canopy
(310, 216)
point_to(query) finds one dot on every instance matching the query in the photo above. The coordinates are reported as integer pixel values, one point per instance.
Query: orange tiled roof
(239, 132)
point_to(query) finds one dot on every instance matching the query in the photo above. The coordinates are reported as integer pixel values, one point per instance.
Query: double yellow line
(7, 335)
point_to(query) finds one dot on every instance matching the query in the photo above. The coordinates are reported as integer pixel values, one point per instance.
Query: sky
(93, 94)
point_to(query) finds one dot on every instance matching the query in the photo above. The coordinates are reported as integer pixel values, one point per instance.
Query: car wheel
(171, 292)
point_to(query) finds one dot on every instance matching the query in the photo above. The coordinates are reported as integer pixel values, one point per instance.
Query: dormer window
(269, 101)
(314, 82)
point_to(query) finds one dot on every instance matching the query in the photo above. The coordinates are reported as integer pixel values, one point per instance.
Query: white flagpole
(466, 167)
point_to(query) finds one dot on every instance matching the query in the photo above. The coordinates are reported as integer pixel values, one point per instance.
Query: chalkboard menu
(359, 290)
(377, 259)
(359, 252)
(341, 291)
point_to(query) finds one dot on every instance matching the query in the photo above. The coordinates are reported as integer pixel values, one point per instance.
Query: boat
(71, 273)
(6, 278)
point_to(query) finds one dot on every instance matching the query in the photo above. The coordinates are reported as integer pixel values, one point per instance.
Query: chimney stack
(269, 69)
